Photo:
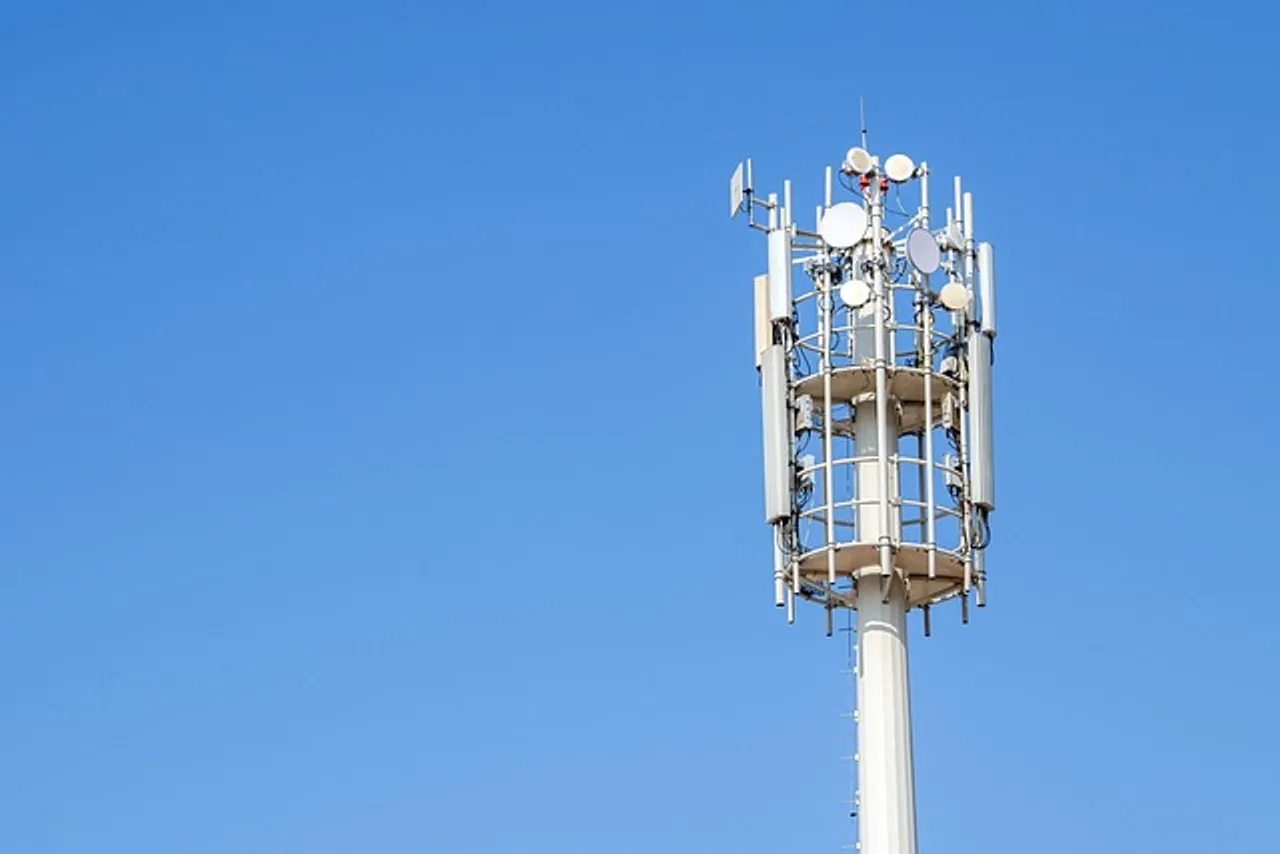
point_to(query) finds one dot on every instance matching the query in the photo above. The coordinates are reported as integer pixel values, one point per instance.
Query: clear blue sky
(380, 435)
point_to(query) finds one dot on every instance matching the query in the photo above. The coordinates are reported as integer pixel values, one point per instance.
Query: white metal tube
(886, 776)
(931, 515)
(966, 433)
(886, 781)
(931, 512)
(779, 566)
(874, 492)
(883, 305)
(826, 303)
(924, 194)
(959, 201)
(968, 248)
(827, 195)
(980, 578)
(966, 506)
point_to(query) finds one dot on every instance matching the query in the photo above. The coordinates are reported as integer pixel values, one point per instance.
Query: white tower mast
(869, 353)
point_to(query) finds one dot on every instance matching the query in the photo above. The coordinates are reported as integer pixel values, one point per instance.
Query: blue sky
(381, 465)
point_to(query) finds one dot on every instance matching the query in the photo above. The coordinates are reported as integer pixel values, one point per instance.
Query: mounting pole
(886, 776)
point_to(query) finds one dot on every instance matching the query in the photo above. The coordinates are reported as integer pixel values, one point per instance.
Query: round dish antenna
(922, 251)
(843, 224)
(855, 293)
(899, 168)
(954, 296)
(858, 162)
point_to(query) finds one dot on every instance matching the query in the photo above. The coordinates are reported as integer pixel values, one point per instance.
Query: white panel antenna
(737, 194)
(982, 456)
(764, 324)
(780, 306)
(987, 287)
(777, 435)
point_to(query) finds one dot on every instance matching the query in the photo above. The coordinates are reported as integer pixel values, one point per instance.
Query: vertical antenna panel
(764, 328)
(779, 274)
(777, 438)
(982, 461)
(737, 193)
(987, 287)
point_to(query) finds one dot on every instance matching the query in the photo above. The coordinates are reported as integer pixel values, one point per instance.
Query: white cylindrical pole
(886, 775)
(886, 778)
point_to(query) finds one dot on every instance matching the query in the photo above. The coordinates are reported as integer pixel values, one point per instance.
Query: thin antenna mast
(862, 120)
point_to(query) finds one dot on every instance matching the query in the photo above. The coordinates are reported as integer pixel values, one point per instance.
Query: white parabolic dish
(922, 250)
(858, 161)
(899, 168)
(954, 296)
(855, 293)
(843, 225)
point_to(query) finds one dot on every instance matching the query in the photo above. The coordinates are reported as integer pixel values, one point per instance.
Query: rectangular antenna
(736, 192)
(987, 287)
(779, 262)
(981, 451)
(777, 434)
(764, 327)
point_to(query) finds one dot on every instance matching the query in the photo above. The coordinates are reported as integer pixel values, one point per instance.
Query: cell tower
(889, 339)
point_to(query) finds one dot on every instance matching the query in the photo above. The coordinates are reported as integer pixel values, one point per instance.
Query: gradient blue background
(380, 434)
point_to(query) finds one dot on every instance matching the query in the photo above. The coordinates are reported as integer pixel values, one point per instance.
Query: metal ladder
(851, 671)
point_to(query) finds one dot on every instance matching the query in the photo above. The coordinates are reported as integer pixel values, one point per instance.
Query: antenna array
(875, 373)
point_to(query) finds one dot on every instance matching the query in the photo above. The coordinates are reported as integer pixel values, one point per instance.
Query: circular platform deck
(910, 559)
(906, 385)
